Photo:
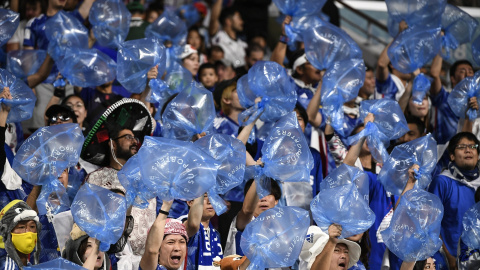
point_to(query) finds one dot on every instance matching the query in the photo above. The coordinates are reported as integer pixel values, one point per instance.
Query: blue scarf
(468, 175)
(202, 252)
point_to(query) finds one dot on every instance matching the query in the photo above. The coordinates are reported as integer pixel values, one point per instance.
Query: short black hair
(227, 13)
(303, 113)
(275, 189)
(455, 65)
(205, 66)
(416, 121)
(253, 47)
(458, 137)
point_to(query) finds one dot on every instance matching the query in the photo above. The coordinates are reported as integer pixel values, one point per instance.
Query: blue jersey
(388, 89)
(7, 263)
(203, 247)
(445, 121)
(48, 240)
(316, 174)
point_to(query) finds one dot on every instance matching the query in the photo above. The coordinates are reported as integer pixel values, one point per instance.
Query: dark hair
(253, 47)
(156, 6)
(303, 113)
(455, 65)
(275, 189)
(227, 13)
(205, 66)
(365, 247)
(82, 248)
(457, 138)
(416, 121)
(420, 265)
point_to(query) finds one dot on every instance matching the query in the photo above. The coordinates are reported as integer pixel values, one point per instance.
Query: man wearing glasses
(456, 187)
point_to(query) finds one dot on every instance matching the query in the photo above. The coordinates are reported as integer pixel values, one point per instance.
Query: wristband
(59, 92)
(163, 212)
(283, 39)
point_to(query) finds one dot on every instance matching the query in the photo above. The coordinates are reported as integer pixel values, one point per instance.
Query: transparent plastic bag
(9, 21)
(168, 27)
(327, 44)
(463, 91)
(47, 152)
(53, 198)
(23, 63)
(414, 231)
(471, 227)
(421, 151)
(169, 169)
(476, 50)
(340, 84)
(300, 7)
(189, 14)
(100, 213)
(111, 22)
(270, 81)
(135, 58)
(275, 237)
(23, 99)
(416, 12)
(421, 86)
(298, 25)
(56, 264)
(345, 175)
(458, 26)
(191, 112)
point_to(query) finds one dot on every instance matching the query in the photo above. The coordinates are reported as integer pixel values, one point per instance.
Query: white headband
(299, 61)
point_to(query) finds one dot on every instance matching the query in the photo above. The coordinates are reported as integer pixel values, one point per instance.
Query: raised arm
(192, 224)
(92, 257)
(403, 102)
(354, 151)
(278, 54)
(324, 259)
(314, 116)
(84, 8)
(435, 71)
(410, 183)
(214, 15)
(468, 123)
(249, 204)
(42, 73)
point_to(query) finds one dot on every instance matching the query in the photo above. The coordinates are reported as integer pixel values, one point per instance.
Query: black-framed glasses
(465, 146)
(128, 137)
(54, 119)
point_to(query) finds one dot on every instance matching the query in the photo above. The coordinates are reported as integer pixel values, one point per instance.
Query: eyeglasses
(128, 137)
(62, 117)
(77, 105)
(465, 146)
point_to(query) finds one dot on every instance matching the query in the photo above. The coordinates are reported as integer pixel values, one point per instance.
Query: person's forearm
(324, 259)
(435, 71)
(278, 54)
(354, 152)
(314, 116)
(194, 216)
(382, 72)
(249, 204)
(42, 73)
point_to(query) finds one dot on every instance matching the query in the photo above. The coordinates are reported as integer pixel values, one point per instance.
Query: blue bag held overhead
(394, 173)
(476, 50)
(111, 22)
(458, 26)
(56, 264)
(414, 232)
(471, 227)
(414, 47)
(299, 7)
(135, 58)
(9, 21)
(230, 153)
(458, 99)
(53, 198)
(23, 99)
(298, 25)
(344, 175)
(47, 152)
(275, 238)
(190, 14)
(191, 112)
(416, 12)
(23, 63)
(341, 84)
(168, 27)
(421, 85)
(169, 169)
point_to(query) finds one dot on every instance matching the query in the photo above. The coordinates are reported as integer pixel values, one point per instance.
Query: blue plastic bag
(421, 151)
(343, 205)
(416, 12)
(389, 124)
(327, 44)
(23, 63)
(458, 26)
(111, 22)
(53, 198)
(414, 47)
(135, 58)
(413, 234)
(189, 14)
(344, 175)
(340, 84)
(299, 7)
(275, 238)
(476, 50)
(270, 81)
(87, 67)
(298, 25)
(100, 213)
(65, 31)
(23, 99)
(47, 152)
(169, 169)
(9, 21)
(168, 27)
(56, 264)
(191, 112)
(463, 91)
(420, 87)
(230, 153)
(471, 227)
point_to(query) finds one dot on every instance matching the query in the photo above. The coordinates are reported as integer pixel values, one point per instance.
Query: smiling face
(340, 257)
(466, 158)
(172, 251)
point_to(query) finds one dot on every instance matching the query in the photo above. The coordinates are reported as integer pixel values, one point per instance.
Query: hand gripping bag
(53, 198)
(476, 50)
(421, 86)
(471, 227)
(416, 12)
(23, 99)
(275, 237)
(55, 264)
(341, 84)
(169, 169)
(413, 234)
(458, 26)
(135, 58)
(344, 175)
(23, 63)
(168, 27)
(414, 47)
(389, 124)
(463, 91)
(9, 21)
(47, 152)
(111, 22)
(191, 112)
(394, 173)
(270, 81)
(298, 25)
(229, 152)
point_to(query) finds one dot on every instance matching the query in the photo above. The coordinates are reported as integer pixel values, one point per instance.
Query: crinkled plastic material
(275, 238)
(53, 198)
(56, 264)
(230, 153)
(463, 91)
(421, 85)
(9, 21)
(100, 213)
(298, 25)
(23, 99)
(414, 47)
(47, 152)
(416, 12)
(340, 84)
(168, 27)
(459, 28)
(471, 227)
(345, 175)
(189, 13)
(343, 205)
(299, 7)
(169, 169)
(111, 22)
(23, 63)
(87, 67)
(173, 58)
(476, 50)
(327, 44)
(135, 58)
(270, 81)
(65, 31)
(191, 112)
(394, 173)
(413, 234)
(389, 124)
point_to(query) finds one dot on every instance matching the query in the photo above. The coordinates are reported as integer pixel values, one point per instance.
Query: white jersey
(234, 50)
